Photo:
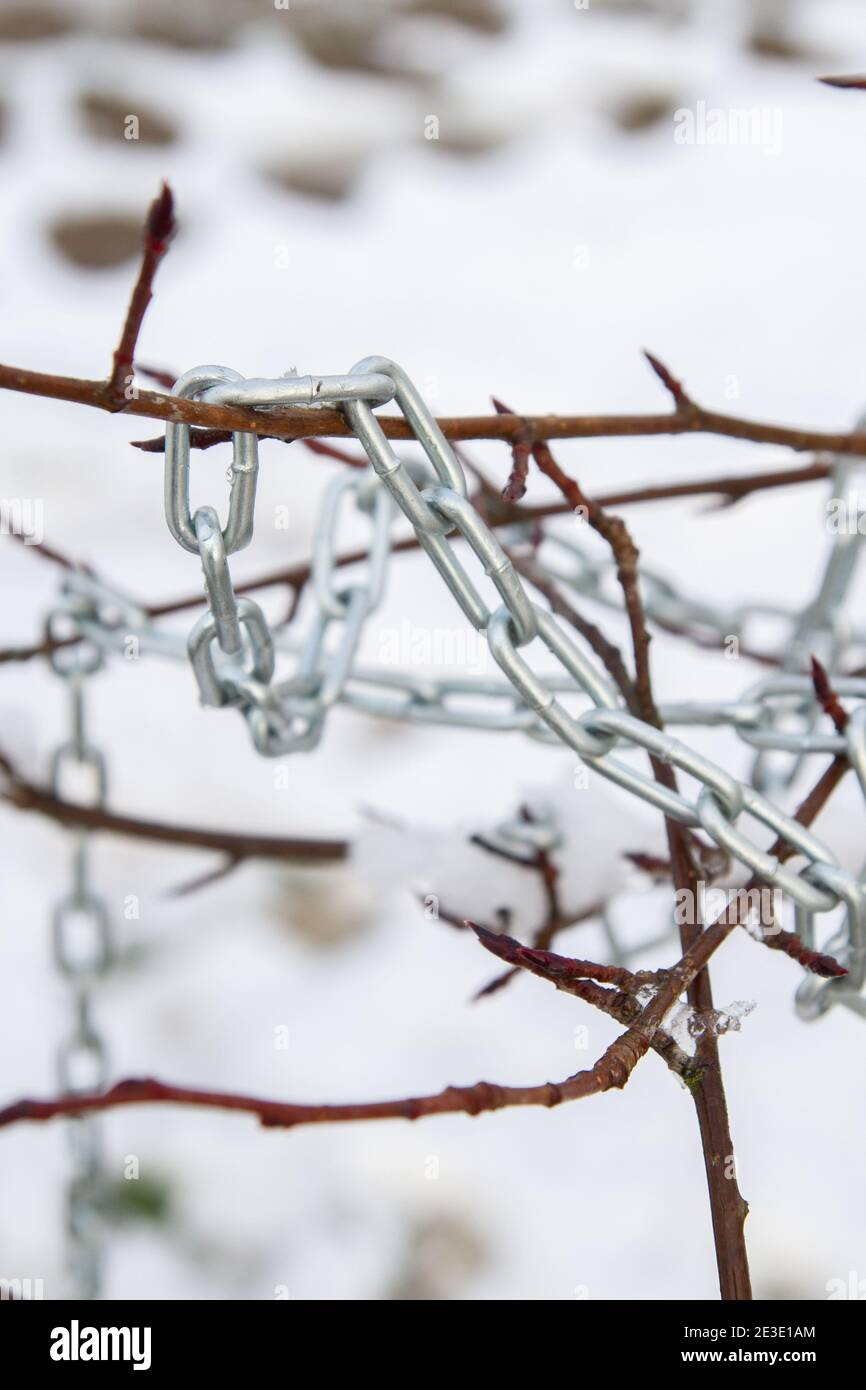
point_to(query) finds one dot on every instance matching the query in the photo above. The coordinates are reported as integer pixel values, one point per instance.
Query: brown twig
(562, 971)
(159, 228)
(727, 1206)
(542, 936)
(611, 1070)
(682, 401)
(515, 487)
(205, 880)
(730, 488)
(856, 82)
(297, 424)
(26, 796)
(827, 697)
(585, 980)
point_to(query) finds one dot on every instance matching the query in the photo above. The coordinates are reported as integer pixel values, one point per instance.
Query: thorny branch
(728, 1208)
(298, 424)
(585, 981)
(640, 1001)
(612, 1070)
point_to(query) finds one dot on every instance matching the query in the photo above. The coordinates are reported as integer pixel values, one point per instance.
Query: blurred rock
(95, 241)
(484, 15)
(343, 39)
(27, 23)
(330, 177)
(469, 137)
(640, 110)
(188, 29)
(774, 41)
(325, 909)
(464, 126)
(351, 38)
(106, 116)
(672, 10)
(442, 1252)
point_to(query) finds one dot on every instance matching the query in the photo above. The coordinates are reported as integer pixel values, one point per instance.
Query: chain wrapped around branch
(233, 652)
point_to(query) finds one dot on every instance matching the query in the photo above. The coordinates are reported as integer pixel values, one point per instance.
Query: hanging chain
(81, 938)
(233, 652)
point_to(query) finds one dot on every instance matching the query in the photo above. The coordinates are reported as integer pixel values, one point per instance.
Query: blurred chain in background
(81, 937)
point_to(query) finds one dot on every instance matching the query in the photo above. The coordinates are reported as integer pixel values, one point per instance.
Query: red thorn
(668, 380)
(827, 697)
(160, 225)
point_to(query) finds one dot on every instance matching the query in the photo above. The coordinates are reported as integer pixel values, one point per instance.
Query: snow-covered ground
(536, 271)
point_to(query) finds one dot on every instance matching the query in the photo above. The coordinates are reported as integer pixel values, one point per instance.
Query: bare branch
(299, 424)
(26, 796)
(159, 228)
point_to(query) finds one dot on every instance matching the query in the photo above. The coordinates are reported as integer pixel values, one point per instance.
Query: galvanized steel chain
(824, 628)
(233, 651)
(231, 647)
(437, 513)
(722, 799)
(82, 948)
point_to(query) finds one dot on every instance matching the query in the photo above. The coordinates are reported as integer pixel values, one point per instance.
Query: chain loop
(225, 686)
(244, 470)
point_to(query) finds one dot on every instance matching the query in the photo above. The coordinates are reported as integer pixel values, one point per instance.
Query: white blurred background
(552, 230)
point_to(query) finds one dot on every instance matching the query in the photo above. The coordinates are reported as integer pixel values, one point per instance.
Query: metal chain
(823, 628)
(109, 619)
(231, 647)
(82, 948)
(233, 653)
(518, 623)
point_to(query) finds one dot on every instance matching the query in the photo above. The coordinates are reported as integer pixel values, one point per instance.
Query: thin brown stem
(727, 1207)
(26, 796)
(159, 228)
(299, 424)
